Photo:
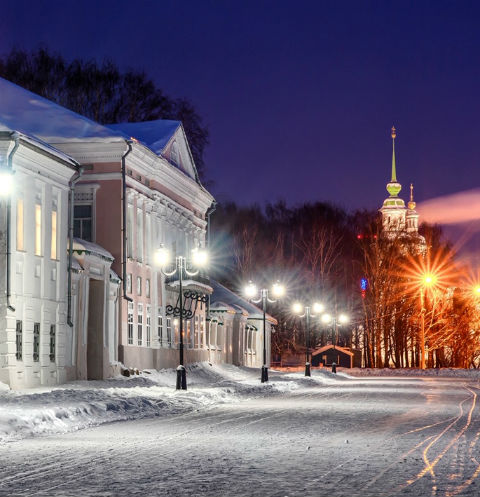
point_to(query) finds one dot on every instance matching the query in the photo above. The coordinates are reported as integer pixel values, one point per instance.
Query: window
(129, 282)
(148, 329)
(139, 285)
(160, 326)
(139, 235)
(20, 233)
(147, 288)
(169, 331)
(38, 229)
(53, 251)
(187, 330)
(139, 324)
(130, 323)
(36, 342)
(130, 232)
(82, 224)
(52, 343)
(196, 341)
(202, 332)
(19, 340)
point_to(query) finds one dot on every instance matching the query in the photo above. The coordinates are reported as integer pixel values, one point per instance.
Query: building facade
(97, 301)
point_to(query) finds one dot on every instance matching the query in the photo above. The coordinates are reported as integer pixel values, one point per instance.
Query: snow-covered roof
(82, 246)
(24, 111)
(226, 296)
(153, 134)
(328, 347)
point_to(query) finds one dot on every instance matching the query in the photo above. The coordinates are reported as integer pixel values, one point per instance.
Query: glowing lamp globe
(6, 183)
(250, 290)
(326, 318)
(278, 290)
(429, 279)
(162, 257)
(199, 257)
(297, 308)
(317, 308)
(343, 319)
(476, 290)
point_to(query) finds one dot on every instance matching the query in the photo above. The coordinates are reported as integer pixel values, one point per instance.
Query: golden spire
(411, 204)
(394, 132)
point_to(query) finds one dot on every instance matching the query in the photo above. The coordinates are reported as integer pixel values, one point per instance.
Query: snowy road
(363, 437)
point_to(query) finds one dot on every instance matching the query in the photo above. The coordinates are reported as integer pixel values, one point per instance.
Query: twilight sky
(299, 96)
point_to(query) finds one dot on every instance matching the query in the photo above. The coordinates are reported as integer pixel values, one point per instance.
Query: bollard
(181, 378)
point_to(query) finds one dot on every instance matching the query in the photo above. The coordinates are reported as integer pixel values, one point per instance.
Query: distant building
(329, 354)
(399, 221)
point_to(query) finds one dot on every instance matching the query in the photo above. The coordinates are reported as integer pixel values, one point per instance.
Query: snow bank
(83, 404)
(473, 374)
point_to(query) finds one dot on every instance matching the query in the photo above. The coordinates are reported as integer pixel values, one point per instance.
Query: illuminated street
(365, 436)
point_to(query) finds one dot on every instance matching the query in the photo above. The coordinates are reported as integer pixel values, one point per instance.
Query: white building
(34, 334)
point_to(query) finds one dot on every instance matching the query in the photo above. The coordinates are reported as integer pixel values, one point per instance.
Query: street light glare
(297, 308)
(162, 257)
(326, 318)
(477, 290)
(6, 183)
(278, 290)
(343, 318)
(199, 257)
(318, 308)
(250, 290)
(429, 279)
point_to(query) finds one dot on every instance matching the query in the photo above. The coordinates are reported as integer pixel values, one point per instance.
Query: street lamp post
(307, 314)
(335, 321)
(428, 281)
(199, 259)
(278, 291)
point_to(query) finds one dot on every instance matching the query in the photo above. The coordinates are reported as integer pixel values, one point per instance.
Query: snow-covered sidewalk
(83, 404)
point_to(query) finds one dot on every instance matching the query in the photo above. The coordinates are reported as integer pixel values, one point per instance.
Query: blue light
(364, 284)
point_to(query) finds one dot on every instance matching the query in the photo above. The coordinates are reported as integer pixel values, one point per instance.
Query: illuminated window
(129, 283)
(20, 242)
(169, 331)
(147, 288)
(139, 285)
(38, 229)
(53, 253)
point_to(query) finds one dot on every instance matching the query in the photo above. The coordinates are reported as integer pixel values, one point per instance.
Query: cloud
(461, 207)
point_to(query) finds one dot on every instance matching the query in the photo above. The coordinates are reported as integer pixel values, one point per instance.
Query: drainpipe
(71, 198)
(124, 222)
(210, 211)
(16, 137)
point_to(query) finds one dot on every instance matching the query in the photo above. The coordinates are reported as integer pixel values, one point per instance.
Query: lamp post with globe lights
(298, 309)
(335, 321)
(181, 265)
(251, 291)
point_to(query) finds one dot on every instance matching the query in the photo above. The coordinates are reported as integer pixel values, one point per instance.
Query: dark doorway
(96, 298)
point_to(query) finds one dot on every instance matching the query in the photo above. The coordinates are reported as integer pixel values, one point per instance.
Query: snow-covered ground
(83, 404)
(229, 435)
